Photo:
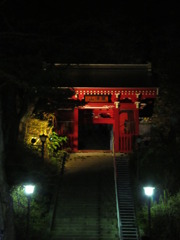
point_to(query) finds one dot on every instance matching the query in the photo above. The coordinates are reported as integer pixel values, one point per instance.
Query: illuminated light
(149, 191)
(29, 189)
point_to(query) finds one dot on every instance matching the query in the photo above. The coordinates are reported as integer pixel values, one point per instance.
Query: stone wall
(30, 130)
(34, 128)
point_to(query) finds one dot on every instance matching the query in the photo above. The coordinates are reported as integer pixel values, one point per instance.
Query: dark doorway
(95, 136)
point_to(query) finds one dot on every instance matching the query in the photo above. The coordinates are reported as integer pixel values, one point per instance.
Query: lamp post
(43, 138)
(29, 190)
(149, 191)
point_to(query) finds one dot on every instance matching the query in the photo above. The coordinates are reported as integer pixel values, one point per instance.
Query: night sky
(91, 32)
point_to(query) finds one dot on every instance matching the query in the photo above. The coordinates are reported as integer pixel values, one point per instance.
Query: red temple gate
(114, 108)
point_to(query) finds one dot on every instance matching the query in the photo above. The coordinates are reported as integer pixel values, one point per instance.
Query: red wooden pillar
(116, 129)
(75, 134)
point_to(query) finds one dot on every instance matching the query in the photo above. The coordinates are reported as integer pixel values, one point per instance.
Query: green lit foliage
(55, 145)
(39, 213)
(56, 142)
(165, 218)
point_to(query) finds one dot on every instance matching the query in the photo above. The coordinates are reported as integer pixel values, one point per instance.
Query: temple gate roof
(106, 75)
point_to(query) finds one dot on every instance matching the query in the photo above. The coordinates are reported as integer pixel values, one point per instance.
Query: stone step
(125, 200)
(92, 198)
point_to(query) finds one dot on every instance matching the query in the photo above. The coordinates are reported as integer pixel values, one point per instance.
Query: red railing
(126, 143)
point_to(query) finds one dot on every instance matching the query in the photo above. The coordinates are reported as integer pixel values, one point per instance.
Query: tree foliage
(158, 162)
(165, 218)
(55, 147)
(39, 213)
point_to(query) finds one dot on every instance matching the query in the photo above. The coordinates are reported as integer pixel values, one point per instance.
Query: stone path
(86, 206)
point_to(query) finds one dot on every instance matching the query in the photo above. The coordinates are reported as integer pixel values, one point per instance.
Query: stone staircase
(86, 207)
(129, 230)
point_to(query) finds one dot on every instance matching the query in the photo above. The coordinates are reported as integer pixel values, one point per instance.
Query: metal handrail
(55, 198)
(117, 201)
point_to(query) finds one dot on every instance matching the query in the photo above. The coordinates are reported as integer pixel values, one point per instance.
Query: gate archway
(94, 132)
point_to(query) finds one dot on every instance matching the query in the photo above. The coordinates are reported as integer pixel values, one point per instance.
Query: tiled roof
(106, 75)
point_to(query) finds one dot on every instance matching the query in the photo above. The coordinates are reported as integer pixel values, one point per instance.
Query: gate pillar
(75, 133)
(116, 128)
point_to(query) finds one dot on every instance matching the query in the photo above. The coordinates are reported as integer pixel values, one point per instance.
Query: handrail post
(115, 182)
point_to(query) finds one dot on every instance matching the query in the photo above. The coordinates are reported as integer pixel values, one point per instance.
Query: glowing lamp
(29, 189)
(149, 191)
